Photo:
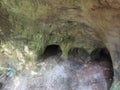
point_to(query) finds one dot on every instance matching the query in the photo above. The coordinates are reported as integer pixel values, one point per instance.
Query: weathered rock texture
(64, 75)
(67, 23)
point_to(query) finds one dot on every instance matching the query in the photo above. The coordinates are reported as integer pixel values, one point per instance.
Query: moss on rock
(67, 23)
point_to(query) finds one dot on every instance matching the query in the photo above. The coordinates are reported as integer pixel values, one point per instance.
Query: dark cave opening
(52, 50)
(99, 57)
(99, 53)
(103, 58)
(77, 53)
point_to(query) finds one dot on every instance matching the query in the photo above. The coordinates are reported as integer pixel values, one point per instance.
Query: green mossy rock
(68, 23)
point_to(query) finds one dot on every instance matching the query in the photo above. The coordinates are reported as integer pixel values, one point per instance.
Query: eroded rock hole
(101, 56)
(52, 50)
(78, 54)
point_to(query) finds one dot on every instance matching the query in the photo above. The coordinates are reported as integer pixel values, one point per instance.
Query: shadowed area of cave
(52, 50)
(99, 53)
(78, 54)
(1, 85)
(103, 58)
(96, 68)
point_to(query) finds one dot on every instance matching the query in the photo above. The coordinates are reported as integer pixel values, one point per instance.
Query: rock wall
(67, 23)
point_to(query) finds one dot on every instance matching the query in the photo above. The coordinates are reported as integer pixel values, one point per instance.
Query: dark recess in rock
(103, 58)
(52, 50)
(78, 54)
(99, 53)
(1, 85)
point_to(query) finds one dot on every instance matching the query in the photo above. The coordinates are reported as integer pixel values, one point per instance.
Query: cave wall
(67, 23)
